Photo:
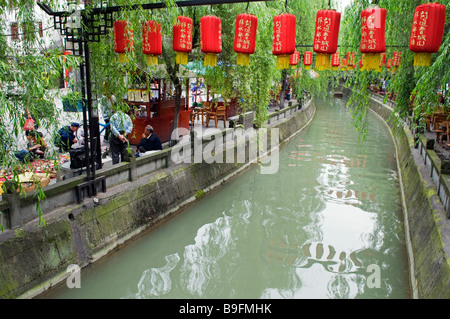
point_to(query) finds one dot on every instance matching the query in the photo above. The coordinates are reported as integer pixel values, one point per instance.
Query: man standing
(66, 136)
(106, 102)
(121, 126)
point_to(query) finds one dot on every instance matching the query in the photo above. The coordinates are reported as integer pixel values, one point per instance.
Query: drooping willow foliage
(30, 69)
(415, 88)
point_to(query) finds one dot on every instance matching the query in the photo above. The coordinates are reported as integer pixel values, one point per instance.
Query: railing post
(15, 211)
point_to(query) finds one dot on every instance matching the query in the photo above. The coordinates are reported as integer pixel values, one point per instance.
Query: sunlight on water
(313, 230)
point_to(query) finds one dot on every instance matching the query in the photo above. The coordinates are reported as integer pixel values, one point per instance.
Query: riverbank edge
(425, 221)
(37, 258)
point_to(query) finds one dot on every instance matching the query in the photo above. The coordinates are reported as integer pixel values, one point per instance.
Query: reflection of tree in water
(201, 267)
(156, 281)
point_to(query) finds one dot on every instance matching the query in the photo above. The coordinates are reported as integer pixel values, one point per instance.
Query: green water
(327, 225)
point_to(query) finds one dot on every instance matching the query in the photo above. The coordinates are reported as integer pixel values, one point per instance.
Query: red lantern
(295, 57)
(123, 38)
(373, 42)
(335, 61)
(382, 59)
(350, 58)
(427, 31)
(353, 60)
(211, 38)
(307, 59)
(397, 57)
(151, 41)
(284, 30)
(182, 39)
(326, 37)
(245, 37)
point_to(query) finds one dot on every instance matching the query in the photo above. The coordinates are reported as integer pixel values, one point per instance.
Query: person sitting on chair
(149, 142)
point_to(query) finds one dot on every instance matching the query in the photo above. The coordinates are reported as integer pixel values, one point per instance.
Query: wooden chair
(221, 115)
(439, 129)
(211, 114)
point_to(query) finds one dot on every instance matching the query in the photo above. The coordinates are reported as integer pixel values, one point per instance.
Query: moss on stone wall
(35, 257)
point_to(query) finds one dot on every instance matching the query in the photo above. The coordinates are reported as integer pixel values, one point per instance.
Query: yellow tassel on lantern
(307, 67)
(335, 68)
(283, 62)
(182, 57)
(210, 59)
(152, 59)
(371, 61)
(323, 61)
(122, 58)
(243, 59)
(422, 59)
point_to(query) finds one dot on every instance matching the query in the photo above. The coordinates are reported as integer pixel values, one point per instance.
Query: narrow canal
(328, 224)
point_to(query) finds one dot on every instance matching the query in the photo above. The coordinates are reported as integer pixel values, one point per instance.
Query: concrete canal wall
(425, 201)
(140, 196)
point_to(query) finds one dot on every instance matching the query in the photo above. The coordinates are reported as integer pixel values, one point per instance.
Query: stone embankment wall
(427, 227)
(33, 258)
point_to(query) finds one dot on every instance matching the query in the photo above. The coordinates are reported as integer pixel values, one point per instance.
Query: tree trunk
(283, 89)
(172, 71)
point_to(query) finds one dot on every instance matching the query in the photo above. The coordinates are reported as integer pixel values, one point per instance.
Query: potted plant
(72, 102)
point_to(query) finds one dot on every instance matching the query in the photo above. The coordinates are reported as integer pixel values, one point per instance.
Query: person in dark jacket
(66, 136)
(149, 142)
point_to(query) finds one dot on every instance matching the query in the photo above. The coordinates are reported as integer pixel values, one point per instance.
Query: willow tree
(407, 81)
(30, 71)
(254, 85)
(303, 80)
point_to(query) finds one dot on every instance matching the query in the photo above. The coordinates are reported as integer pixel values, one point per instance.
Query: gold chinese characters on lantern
(245, 37)
(151, 41)
(284, 31)
(307, 59)
(373, 42)
(427, 32)
(182, 39)
(326, 37)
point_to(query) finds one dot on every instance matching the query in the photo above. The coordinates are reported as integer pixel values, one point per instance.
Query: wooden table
(197, 111)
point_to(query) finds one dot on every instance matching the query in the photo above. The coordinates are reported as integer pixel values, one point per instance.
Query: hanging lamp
(245, 37)
(427, 32)
(151, 41)
(295, 57)
(123, 38)
(326, 37)
(211, 38)
(335, 61)
(284, 31)
(307, 59)
(373, 20)
(182, 39)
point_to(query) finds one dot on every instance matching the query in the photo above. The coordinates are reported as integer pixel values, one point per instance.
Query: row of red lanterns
(426, 37)
(349, 62)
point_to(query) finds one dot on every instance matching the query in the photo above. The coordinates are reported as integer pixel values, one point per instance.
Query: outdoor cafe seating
(198, 109)
(217, 114)
(441, 122)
